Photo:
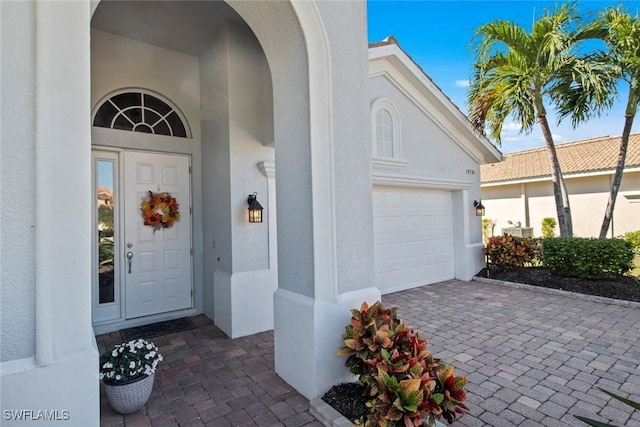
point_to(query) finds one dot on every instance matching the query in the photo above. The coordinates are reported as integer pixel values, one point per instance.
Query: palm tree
(623, 39)
(517, 72)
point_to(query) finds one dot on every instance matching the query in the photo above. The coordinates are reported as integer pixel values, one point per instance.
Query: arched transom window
(140, 112)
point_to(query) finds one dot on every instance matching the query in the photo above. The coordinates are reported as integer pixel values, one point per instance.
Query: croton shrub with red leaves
(509, 251)
(406, 385)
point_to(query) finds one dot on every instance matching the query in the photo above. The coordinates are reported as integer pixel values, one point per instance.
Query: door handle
(130, 258)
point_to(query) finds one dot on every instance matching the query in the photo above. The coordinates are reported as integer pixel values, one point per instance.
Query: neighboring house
(519, 189)
(376, 174)
(104, 196)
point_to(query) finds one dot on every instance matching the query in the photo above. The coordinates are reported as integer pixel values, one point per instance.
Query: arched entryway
(205, 61)
(322, 157)
(254, 78)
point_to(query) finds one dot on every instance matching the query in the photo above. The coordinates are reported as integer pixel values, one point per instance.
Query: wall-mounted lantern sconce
(255, 208)
(479, 208)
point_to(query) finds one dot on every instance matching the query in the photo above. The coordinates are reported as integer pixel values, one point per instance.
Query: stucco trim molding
(268, 169)
(397, 180)
(388, 163)
(632, 197)
(13, 367)
(322, 150)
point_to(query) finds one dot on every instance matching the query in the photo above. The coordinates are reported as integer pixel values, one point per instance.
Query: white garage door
(413, 236)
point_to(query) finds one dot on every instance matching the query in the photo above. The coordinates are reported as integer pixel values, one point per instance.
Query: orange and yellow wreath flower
(160, 210)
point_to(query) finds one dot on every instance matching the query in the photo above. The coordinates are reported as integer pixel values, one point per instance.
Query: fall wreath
(160, 210)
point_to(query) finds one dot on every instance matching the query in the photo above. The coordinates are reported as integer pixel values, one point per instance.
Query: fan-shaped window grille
(140, 112)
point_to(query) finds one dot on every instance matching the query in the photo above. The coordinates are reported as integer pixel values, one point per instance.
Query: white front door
(157, 263)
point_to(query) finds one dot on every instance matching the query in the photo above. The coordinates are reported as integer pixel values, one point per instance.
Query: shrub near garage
(509, 251)
(633, 237)
(549, 227)
(405, 384)
(587, 258)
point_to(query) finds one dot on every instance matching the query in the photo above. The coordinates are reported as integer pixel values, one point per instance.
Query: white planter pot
(130, 397)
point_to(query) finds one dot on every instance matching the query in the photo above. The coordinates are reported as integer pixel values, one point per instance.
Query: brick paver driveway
(532, 358)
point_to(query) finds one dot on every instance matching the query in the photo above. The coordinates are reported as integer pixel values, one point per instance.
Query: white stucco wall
(588, 198)
(279, 32)
(53, 253)
(17, 182)
(118, 62)
(428, 149)
(216, 172)
(346, 29)
(248, 88)
(237, 128)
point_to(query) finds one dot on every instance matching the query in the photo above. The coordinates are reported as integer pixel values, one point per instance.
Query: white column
(310, 317)
(65, 375)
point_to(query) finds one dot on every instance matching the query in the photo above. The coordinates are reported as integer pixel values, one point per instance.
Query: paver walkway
(209, 379)
(532, 359)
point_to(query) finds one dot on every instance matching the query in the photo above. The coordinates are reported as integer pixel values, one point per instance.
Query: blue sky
(438, 33)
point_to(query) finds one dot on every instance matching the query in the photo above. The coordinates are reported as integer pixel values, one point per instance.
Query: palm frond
(584, 87)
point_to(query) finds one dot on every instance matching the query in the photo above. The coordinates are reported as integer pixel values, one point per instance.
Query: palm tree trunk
(560, 192)
(617, 177)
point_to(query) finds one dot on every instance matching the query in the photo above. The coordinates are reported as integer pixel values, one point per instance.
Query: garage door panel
(413, 233)
(401, 251)
(426, 263)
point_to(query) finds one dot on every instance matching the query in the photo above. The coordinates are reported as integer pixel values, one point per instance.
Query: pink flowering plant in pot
(129, 362)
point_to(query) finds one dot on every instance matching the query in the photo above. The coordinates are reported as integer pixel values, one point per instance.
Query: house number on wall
(471, 172)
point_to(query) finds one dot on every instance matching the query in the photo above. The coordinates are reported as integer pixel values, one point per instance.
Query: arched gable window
(139, 111)
(386, 132)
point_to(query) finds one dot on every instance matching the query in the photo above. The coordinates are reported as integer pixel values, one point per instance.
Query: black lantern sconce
(255, 208)
(479, 208)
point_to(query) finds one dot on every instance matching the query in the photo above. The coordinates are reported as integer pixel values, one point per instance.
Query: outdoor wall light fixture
(479, 208)
(255, 208)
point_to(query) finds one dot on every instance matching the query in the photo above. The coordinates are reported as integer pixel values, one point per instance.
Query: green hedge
(587, 258)
(633, 237)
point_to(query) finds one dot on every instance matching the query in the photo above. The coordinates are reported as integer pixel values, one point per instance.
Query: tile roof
(587, 155)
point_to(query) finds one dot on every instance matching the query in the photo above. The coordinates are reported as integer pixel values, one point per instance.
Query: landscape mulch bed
(349, 399)
(619, 287)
